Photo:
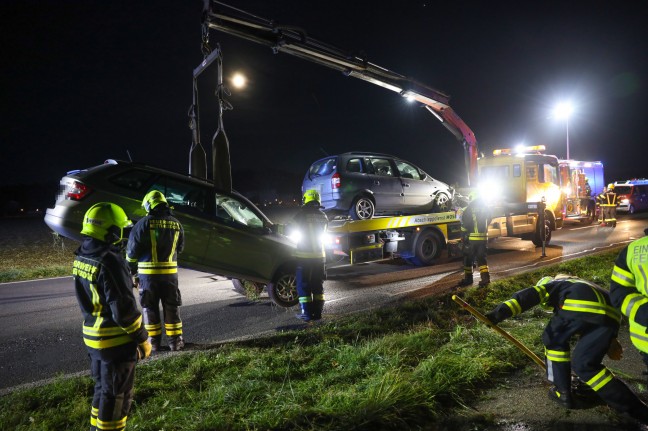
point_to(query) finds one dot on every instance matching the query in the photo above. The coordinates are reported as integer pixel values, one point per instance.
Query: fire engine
(580, 183)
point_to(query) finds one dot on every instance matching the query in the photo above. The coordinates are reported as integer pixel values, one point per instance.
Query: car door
(239, 244)
(417, 192)
(385, 184)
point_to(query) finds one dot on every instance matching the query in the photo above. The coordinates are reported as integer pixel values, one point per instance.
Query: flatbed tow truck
(531, 178)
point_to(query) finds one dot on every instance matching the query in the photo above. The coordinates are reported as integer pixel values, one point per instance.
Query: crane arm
(294, 41)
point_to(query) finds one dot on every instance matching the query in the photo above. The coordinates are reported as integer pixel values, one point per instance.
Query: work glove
(492, 316)
(143, 350)
(615, 351)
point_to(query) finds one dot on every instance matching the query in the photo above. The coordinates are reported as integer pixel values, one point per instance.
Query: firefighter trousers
(113, 371)
(161, 289)
(586, 361)
(475, 251)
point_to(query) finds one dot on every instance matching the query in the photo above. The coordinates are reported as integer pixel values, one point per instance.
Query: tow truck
(417, 238)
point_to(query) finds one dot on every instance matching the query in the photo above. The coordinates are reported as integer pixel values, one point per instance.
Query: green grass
(400, 367)
(29, 250)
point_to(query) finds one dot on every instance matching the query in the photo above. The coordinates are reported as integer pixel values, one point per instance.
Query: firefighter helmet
(610, 187)
(105, 221)
(310, 196)
(544, 280)
(153, 199)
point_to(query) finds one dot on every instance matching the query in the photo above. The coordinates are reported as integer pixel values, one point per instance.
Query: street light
(563, 111)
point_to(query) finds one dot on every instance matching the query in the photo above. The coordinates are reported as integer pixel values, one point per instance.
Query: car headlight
(625, 201)
(295, 236)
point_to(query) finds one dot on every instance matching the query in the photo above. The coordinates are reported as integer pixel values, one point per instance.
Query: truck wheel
(283, 291)
(362, 209)
(442, 203)
(426, 249)
(537, 238)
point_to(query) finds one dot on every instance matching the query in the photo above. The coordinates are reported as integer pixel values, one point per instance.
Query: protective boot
(176, 343)
(155, 343)
(467, 280)
(316, 309)
(485, 279)
(305, 314)
(564, 399)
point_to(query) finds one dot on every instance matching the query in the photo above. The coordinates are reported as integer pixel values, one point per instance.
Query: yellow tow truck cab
(518, 184)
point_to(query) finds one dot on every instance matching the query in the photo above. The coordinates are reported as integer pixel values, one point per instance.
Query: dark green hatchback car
(225, 233)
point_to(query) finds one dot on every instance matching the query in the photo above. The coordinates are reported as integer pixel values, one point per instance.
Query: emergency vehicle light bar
(521, 150)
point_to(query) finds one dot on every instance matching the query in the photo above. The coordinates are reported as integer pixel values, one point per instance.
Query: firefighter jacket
(629, 289)
(608, 199)
(475, 220)
(154, 244)
(104, 291)
(571, 298)
(311, 222)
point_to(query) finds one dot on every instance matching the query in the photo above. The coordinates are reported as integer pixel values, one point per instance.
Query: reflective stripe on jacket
(311, 222)
(104, 291)
(154, 244)
(571, 298)
(475, 220)
(629, 289)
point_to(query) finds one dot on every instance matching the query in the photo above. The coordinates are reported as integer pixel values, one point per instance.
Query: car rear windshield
(322, 167)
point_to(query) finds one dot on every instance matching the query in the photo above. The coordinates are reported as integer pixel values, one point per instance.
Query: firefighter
(308, 228)
(582, 311)
(607, 203)
(113, 332)
(152, 253)
(474, 231)
(629, 290)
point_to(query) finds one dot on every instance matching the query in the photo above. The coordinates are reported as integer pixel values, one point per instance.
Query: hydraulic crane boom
(294, 41)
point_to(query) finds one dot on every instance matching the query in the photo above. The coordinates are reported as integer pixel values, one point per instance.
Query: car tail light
(76, 190)
(335, 181)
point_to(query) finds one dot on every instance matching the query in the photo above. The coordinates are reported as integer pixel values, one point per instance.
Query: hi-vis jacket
(104, 290)
(629, 289)
(311, 222)
(154, 244)
(475, 220)
(571, 298)
(608, 199)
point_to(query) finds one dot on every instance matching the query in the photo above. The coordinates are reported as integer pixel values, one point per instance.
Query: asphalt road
(40, 323)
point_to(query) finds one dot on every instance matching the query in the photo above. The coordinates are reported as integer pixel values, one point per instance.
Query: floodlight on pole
(563, 111)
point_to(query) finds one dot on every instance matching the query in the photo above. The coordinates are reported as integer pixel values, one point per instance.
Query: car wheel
(249, 289)
(631, 209)
(362, 209)
(283, 291)
(537, 238)
(442, 203)
(426, 248)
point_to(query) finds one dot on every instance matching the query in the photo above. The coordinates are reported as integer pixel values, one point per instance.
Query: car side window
(354, 165)
(134, 180)
(235, 212)
(182, 195)
(407, 170)
(381, 167)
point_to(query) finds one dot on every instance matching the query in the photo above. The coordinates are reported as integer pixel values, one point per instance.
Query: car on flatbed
(365, 184)
(225, 233)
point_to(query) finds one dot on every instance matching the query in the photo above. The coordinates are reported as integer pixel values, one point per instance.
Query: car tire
(239, 286)
(283, 291)
(363, 208)
(426, 248)
(442, 203)
(537, 238)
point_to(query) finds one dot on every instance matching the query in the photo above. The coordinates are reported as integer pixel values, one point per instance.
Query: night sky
(83, 81)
